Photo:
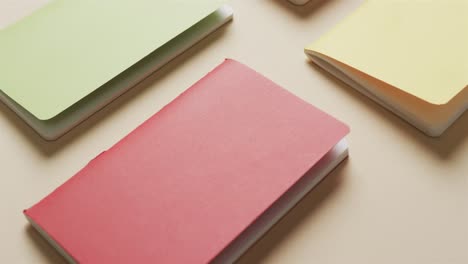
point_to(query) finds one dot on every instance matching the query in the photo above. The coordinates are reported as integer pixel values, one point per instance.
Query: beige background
(401, 197)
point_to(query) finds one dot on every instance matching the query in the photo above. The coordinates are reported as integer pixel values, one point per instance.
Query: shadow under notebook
(444, 146)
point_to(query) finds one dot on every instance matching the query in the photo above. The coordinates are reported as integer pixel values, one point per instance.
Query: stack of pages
(67, 59)
(409, 56)
(200, 181)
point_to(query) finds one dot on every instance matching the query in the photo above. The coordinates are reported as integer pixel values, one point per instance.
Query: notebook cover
(188, 181)
(72, 116)
(67, 49)
(419, 47)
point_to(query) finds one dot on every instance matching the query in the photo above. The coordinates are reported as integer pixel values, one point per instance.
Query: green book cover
(67, 49)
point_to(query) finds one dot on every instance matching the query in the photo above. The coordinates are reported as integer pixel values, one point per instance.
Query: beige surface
(401, 197)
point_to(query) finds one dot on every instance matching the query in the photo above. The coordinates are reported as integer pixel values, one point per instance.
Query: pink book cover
(190, 180)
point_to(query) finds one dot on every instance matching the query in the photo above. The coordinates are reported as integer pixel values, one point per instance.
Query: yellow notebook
(409, 56)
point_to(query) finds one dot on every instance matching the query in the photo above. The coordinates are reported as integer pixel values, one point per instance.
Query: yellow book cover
(419, 47)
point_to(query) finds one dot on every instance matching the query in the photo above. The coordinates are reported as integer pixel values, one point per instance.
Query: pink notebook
(198, 182)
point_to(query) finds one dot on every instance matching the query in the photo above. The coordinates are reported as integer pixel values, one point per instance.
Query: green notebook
(66, 51)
